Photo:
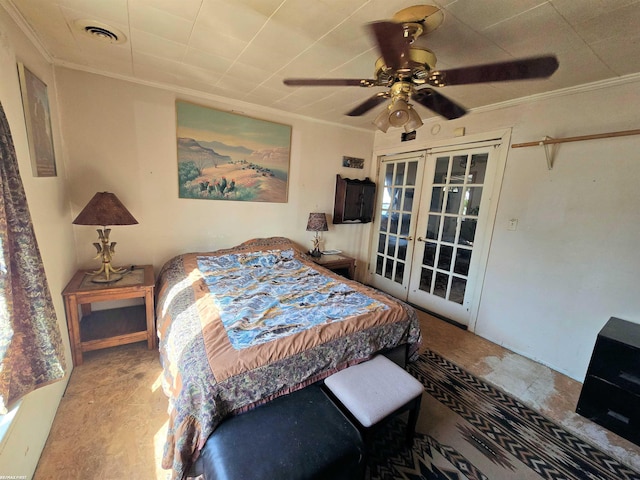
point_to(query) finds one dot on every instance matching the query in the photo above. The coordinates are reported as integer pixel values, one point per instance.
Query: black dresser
(610, 394)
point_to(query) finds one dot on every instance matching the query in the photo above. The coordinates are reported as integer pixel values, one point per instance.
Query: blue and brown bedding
(241, 326)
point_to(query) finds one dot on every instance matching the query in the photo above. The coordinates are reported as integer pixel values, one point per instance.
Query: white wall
(573, 261)
(121, 137)
(20, 447)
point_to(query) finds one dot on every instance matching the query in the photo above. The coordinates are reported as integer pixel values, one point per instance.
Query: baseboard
(441, 317)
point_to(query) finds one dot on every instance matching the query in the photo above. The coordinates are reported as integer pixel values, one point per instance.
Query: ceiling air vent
(99, 31)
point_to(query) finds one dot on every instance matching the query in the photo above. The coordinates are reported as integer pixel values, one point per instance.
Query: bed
(241, 326)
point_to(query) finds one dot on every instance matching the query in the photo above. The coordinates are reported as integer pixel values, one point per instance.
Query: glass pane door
(398, 201)
(447, 232)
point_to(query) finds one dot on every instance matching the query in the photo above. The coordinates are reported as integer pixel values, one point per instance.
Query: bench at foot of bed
(302, 435)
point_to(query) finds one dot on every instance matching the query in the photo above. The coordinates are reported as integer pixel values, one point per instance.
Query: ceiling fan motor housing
(421, 62)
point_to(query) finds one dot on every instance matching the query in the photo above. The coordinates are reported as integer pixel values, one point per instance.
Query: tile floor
(111, 422)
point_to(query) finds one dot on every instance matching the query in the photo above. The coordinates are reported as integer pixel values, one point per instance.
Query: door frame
(503, 137)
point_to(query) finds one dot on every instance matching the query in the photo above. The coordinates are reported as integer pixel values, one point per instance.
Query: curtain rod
(551, 141)
(546, 141)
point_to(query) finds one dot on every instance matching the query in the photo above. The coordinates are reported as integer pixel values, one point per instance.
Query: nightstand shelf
(116, 326)
(340, 264)
(107, 328)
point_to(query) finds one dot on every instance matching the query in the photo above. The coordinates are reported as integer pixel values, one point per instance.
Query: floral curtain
(31, 352)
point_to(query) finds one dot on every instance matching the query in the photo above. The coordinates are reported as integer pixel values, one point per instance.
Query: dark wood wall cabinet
(354, 200)
(610, 394)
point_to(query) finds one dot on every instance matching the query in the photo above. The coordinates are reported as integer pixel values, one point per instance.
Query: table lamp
(317, 223)
(105, 209)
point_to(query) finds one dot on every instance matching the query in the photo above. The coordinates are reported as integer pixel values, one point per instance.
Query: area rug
(471, 430)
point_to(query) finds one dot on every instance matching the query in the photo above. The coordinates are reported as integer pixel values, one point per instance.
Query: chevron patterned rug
(470, 430)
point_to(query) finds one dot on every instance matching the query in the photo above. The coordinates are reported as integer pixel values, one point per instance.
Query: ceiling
(243, 49)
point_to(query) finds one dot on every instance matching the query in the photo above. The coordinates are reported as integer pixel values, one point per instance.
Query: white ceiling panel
(582, 65)
(480, 15)
(312, 19)
(229, 19)
(620, 55)
(535, 31)
(209, 40)
(108, 10)
(205, 60)
(144, 42)
(456, 45)
(186, 9)
(278, 43)
(248, 73)
(614, 23)
(159, 22)
(244, 49)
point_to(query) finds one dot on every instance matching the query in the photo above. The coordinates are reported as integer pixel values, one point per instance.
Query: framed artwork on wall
(38, 122)
(353, 162)
(227, 156)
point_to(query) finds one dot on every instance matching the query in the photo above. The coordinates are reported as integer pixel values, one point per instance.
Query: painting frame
(37, 117)
(225, 155)
(352, 162)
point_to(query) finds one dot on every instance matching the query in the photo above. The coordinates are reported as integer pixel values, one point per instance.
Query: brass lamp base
(112, 279)
(106, 274)
(315, 251)
(106, 251)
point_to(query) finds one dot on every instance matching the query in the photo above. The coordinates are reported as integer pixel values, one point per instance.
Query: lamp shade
(414, 122)
(317, 223)
(382, 121)
(399, 115)
(105, 209)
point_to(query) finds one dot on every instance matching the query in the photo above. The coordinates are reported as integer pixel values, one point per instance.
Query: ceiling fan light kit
(399, 115)
(382, 121)
(414, 123)
(403, 68)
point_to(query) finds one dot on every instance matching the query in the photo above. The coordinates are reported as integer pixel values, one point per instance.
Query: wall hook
(549, 150)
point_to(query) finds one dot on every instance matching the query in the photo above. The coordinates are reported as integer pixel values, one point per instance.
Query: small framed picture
(38, 121)
(353, 162)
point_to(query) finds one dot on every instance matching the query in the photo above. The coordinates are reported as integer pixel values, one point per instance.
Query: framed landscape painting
(226, 156)
(38, 122)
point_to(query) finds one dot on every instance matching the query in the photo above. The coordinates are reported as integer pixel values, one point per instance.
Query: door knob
(420, 239)
(406, 238)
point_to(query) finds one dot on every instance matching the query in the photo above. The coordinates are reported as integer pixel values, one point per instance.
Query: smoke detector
(99, 31)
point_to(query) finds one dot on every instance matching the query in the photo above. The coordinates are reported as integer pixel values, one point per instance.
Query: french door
(398, 203)
(431, 234)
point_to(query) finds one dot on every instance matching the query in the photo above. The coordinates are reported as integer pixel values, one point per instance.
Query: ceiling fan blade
(427, 97)
(328, 82)
(393, 45)
(368, 104)
(537, 67)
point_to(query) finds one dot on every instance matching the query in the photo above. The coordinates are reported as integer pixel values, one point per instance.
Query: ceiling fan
(409, 73)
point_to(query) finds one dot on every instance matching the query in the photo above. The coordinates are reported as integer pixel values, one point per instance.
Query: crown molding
(17, 17)
(562, 92)
(587, 87)
(238, 105)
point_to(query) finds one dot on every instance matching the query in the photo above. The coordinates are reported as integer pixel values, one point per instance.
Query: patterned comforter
(241, 326)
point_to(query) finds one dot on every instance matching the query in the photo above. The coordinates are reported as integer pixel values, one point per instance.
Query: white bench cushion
(374, 389)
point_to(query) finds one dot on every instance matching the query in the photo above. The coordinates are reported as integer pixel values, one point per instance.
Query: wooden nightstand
(340, 264)
(117, 326)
